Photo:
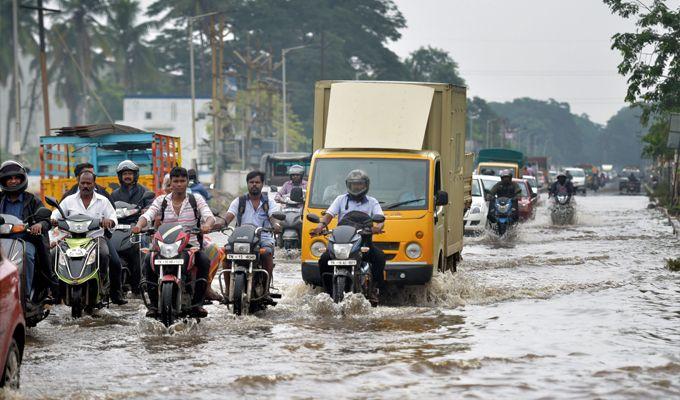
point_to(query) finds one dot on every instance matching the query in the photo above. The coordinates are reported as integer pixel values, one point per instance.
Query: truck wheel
(11, 375)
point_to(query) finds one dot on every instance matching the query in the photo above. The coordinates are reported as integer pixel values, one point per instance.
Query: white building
(169, 115)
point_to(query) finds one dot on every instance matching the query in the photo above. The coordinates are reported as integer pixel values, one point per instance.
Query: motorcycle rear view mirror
(279, 215)
(273, 189)
(313, 218)
(378, 218)
(42, 213)
(297, 195)
(53, 202)
(148, 195)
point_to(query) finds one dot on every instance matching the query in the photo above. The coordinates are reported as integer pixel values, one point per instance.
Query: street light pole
(285, 103)
(16, 145)
(194, 148)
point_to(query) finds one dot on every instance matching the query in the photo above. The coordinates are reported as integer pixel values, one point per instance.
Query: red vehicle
(12, 325)
(527, 200)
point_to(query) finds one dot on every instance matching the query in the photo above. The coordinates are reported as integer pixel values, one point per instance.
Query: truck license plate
(168, 261)
(241, 256)
(342, 262)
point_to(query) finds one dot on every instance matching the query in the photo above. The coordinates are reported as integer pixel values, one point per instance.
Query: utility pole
(285, 103)
(43, 61)
(16, 145)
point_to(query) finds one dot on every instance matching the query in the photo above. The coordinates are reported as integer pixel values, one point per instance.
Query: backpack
(197, 215)
(242, 206)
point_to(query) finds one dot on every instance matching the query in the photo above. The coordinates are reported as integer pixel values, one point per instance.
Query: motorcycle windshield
(344, 234)
(243, 234)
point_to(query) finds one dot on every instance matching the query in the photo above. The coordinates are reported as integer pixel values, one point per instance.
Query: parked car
(475, 217)
(527, 201)
(578, 179)
(12, 325)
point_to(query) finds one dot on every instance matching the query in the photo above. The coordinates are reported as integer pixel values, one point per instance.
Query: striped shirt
(186, 215)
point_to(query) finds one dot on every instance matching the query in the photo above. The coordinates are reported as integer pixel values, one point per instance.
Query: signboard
(674, 133)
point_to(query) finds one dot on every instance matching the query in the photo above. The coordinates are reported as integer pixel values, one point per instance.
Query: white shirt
(343, 204)
(99, 207)
(256, 217)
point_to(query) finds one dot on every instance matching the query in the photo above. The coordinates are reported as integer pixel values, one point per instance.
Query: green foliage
(430, 64)
(651, 55)
(621, 138)
(655, 141)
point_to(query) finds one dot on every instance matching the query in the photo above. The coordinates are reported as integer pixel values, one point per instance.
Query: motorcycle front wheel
(239, 294)
(76, 302)
(339, 288)
(167, 315)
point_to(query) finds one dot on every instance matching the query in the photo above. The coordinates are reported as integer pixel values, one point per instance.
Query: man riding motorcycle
(131, 192)
(191, 212)
(89, 202)
(561, 185)
(505, 188)
(256, 208)
(355, 199)
(296, 172)
(16, 201)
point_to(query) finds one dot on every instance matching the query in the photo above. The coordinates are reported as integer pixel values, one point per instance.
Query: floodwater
(582, 311)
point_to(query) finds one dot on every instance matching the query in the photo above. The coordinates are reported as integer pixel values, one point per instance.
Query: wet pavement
(582, 311)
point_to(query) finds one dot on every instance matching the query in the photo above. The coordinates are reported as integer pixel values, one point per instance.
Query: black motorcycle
(502, 215)
(127, 245)
(291, 226)
(34, 300)
(347, 246)
(243, 281)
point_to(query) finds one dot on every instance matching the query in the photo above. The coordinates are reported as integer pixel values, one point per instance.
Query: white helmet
(296, 170)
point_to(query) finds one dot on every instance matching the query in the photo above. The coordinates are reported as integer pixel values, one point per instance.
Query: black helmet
(127, 165)
(12, 168)
(357, 176)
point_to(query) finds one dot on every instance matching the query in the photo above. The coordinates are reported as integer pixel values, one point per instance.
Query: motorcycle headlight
(5, 229)
(242, 248)
(475, 210)
(413, 250)
(317, 248)
(62, 259)
(342, 251)
(503, 208)
(169, 250)
(78, 227)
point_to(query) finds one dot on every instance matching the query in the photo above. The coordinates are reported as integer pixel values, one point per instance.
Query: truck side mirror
(273, 189)
(297, 195)
(441, 198)
(313, 218)
(534, 195)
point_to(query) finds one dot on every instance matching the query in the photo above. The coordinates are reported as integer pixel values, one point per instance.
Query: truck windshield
(493, 170)
(397, 184)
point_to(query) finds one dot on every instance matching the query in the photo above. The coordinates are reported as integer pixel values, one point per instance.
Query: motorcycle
(633, 187)
(291, 226)
(77, 263)
(126, 245)
(244, 283)
(34, 300)
(347, 246)
(503, 215)
(562, 211)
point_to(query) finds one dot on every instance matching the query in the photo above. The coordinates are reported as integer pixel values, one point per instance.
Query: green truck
(493, 161)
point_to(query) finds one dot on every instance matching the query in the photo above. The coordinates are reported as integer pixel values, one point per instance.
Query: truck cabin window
(397, 184)
(492, 171)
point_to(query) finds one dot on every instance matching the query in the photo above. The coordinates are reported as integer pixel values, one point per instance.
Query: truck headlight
(317, 248)
(413, 250)
(475, 210)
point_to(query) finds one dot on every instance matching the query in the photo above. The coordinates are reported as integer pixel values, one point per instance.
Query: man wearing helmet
(355, 199)
(16, 201)
(561, 185)
(296, 172)
(505, 188)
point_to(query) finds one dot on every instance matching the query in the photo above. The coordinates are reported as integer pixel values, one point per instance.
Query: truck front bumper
(400, 273)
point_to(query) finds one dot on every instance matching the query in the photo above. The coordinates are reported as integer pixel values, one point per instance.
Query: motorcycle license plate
(169, 261)
(342, 262)
(76, 252)
(123, 227)
(241, 256)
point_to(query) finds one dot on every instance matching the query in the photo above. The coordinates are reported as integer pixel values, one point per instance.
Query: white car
(578, 179)
(475, 217)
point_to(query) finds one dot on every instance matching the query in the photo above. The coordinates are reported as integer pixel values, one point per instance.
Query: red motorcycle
(174, 263)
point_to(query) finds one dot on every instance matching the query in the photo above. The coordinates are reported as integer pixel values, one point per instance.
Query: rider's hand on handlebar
(376, 229)
(53, 222)
(36, 229)
(108, 223)
(205, 229)
(136, 229)
(319, 228)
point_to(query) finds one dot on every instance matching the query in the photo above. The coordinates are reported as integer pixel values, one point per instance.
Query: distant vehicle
(527, 200)
(578, 179)
(275, 166)
(475, 217)
(12, 325)
(625, 174)
(493, 161)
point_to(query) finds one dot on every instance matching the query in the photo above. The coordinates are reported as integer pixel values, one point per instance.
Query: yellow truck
(409, 138)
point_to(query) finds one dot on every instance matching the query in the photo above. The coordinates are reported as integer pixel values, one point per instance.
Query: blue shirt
(15, 208)
(343, 205)
(256, 217)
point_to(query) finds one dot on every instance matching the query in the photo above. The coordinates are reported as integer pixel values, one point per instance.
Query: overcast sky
(525, 48)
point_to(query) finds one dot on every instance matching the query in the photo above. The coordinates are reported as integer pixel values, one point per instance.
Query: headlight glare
(242, 248)
(169, 250)
(342, 251)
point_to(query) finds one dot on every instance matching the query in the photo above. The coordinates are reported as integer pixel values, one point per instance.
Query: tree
(430, 64)
(651, 56)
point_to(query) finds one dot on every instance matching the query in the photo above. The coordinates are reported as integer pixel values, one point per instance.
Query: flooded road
(583, 311)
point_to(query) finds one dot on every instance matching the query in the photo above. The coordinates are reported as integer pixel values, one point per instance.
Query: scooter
(562, 211)
(123, 242)
(34, 300)
(503, 216)
(347, 246)
(291, 226)
(77, 263)
(244, 283)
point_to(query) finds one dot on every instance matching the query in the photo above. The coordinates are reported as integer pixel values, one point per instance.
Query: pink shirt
(186, 215)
